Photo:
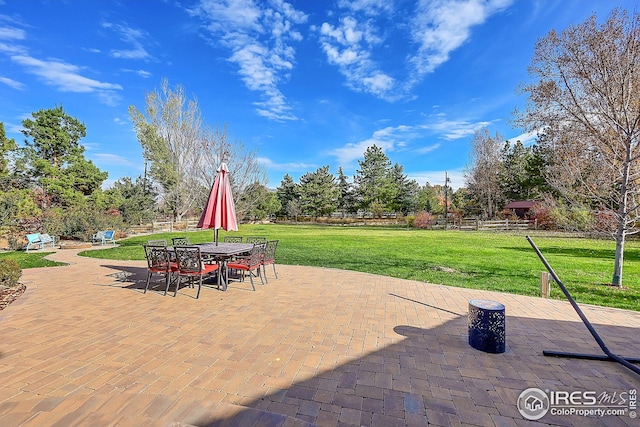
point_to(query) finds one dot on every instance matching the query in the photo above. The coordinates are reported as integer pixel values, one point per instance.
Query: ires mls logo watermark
(534, 403)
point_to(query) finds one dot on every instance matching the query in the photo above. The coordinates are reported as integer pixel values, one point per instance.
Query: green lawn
(482, 260)
(31, 259)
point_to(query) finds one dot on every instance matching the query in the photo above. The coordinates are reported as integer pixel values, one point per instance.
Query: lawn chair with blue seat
(104, 237)
(39, 240)
(34, 241)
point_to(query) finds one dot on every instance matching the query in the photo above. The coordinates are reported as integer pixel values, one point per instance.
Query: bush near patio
(10, 273)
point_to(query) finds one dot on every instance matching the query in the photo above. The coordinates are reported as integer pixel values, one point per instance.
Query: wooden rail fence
(166, 226)
(463, 225)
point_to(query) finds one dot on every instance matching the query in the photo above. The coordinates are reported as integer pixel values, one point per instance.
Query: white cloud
(12, 83)
(456, 178)
(112, 159)
(12, 49)
(259, 37)
(132, 37)
(527, 138)
(409, 137)
(370, 7)
(348, 45)
(356, 42)
(355, 150)
(289, 167)
(441, 26)
(388, 139)
(12, 33)
(54, 72)
(108, 97)
(142, 73)
(455, 129)
(428, 148)
(66, 77)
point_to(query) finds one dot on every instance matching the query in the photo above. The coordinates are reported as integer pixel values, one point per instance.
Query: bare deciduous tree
(184, 154)
(585, 104)
(483, 177)
(244, 168)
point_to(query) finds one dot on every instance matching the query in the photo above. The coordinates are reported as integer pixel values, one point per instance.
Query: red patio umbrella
(220, 210)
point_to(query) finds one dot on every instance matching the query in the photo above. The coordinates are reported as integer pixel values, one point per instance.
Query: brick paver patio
(85, 347)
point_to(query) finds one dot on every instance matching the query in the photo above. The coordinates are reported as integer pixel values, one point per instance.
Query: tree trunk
(617, 264)
(623, 212)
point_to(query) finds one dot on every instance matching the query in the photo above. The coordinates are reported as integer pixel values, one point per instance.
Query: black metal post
(610, 356)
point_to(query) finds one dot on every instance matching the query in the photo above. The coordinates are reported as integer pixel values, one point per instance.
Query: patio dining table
(223, 252)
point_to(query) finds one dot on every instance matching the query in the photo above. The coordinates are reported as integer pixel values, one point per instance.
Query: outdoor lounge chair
(39, 240)
(158, 261)
(249, 264)
(47, 240)
(109, 236)
(191, 265)
(104, 237)
(33, 241)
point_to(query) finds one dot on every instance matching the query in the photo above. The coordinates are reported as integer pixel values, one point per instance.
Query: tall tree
(170, 131)
(184, 154)
(585, 103)
(372, 179)
(536, 182)
(288, 191)
(403, 190)
(54, 135)
(7, 146)
(260, 202)
(137, 204)
(318, 192)
(483, 177)
(346, 196)
(427, 200)
(56, 157)
(514, 174)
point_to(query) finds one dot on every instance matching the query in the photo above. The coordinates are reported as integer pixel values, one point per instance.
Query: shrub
(508, 214)
(542, 212)
(579, 219)
(10, 273)
(80, 223)
(423, 219)
(411, 220)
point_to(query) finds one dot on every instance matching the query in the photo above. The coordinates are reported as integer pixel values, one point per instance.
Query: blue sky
(306, 83)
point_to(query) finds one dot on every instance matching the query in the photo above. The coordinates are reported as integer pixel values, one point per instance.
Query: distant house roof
(521, 204)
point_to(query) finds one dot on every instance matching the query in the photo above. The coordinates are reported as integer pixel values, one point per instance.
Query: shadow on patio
(315, 347)
(434, 377)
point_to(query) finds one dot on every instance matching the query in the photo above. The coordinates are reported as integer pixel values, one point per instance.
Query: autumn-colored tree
(585, 104)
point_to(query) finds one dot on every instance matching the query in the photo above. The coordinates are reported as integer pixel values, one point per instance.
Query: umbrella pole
(215, 236)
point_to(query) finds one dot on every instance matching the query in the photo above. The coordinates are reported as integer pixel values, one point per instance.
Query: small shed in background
(521, 207)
